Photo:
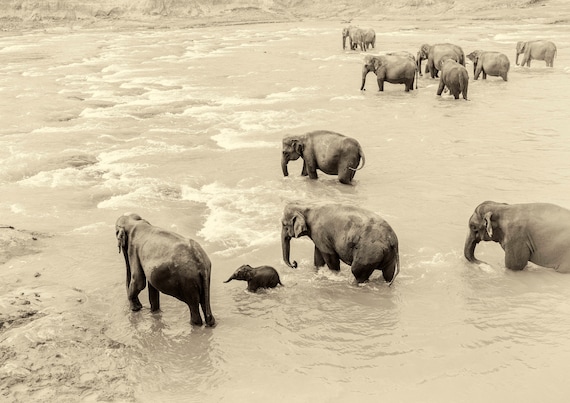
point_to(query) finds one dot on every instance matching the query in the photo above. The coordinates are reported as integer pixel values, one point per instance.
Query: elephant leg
(304, 170)
(312, 172)
(441, 87)
(332, 261)
(380, 84)
(362, 272)
(345, 174)
(318, 258)
(135, 287)
(516, 258)
(484, 76)
(389, 271)
(193, 304)
(154, 298)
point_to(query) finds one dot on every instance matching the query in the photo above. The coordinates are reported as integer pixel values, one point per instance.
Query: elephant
(256, 277)
(538, 50)
(171, 264)
(353, 235)
(333, 153)
(395, 69)
(491, 63)
(365, 38)
(435, 54)
(535, 232)
(455, 77)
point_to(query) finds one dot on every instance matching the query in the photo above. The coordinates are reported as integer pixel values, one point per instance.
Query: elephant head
(292, 150)
(474, 57)
(123, 228)
(483, 226)
(521, 47)
(422, 55)
(371, 63)
(244, 272)
(294, 225)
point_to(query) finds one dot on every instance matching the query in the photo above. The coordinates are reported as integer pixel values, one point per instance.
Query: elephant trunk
(230, 279)
(344, 41)
(284, 162)
(364, 73)
(286, 247)
(419, 63)
(469, 249)
(517, 59)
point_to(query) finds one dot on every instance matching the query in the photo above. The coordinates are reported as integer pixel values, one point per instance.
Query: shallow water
(184, 127)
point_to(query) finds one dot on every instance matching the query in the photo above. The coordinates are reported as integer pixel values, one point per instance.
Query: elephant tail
(396, 271)
(361, 153)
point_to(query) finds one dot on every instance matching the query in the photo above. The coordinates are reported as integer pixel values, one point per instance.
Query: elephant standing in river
(256, 277)
(393, 68)
(535, 232)
(364, 38)
(332, 153)
(538, 50)
(491, 63)
(170, 263)
(436, 54)
(353, 235)
(455, 77)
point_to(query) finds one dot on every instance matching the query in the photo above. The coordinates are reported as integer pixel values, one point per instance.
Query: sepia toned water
(184, 127)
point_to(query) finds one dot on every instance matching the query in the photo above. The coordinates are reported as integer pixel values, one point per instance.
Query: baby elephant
(455, 77)
(256, 277)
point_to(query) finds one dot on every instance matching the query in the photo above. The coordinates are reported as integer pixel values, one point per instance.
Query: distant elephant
(435, 54)
(535, 232)
(332, 153)
(256, 277)
(538, 50)
(365, 38)
(171, 264)
(491, 63)
(353, 235)
(392, 68)
(455, 77)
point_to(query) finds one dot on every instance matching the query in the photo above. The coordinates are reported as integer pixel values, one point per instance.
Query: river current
(184, 127)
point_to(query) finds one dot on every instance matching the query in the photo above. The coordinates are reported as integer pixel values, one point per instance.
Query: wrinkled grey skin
(436, 54)
(365, 38)
(489, 63)
(537, 50)
(532, 232)
(353, 235)
(170, 263)
(455, 77)
(391, 68)
(256, 277)
(330, 152)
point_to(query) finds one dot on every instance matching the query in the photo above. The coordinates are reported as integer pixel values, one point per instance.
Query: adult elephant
(538, 50)
(455, 77)
(392, 68)
(331, 152)
(170, 263)
(353, 235)
(365, 38)
(436, 54)
(535, 232)
(489, 63)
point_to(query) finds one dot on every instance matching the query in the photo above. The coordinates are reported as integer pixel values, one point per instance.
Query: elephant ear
(488, 223)
(299, 225)
(122, 240)
(297, 146)
(377, 63)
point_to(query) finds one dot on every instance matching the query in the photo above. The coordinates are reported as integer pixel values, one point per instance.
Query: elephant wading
(393, 68)
(171, 264)
(364, 38)
(332, 153)
(455, 77)
(535, 232)
(538, 50)
(436, 54)
(491, 63)
(353, 235)
(256, 277)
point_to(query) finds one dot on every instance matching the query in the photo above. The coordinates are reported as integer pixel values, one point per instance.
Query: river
(184, 127)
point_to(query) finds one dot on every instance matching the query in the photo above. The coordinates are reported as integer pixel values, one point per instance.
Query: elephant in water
(332, 153)
(393, 68)
(491, 63)
(170, 263)
(365, 38)
(455, 77)
(535, 232)
(256, 277)
(353, 235)
(437, 53)
(538, 50)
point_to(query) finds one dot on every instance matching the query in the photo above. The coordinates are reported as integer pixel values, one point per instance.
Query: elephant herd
(178, 266)
(449, 59)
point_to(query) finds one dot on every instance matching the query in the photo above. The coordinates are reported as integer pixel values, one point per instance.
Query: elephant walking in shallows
(436, 54)
(489, 63)
(393, 68)
(535, 232)
(170, 263)
(365, 38)
(537, 50)
(256, 277)
(353, 235)
(332, 153)
(455, 77)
